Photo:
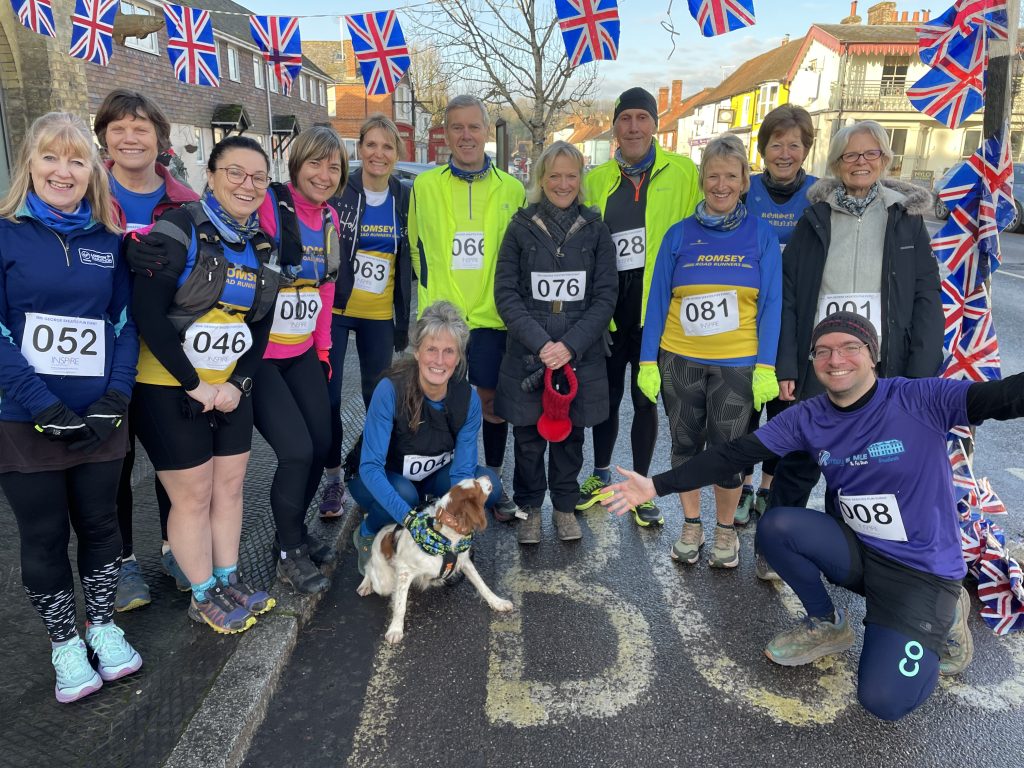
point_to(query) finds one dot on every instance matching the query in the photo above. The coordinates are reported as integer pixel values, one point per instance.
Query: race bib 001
(707, 314)
(468, 250)
(875, 515)
(64, 346)
(296, 312)
(215, 346)
(419, 467)
(371, 272)
(630, 248)
(867, 305)
(558, 286)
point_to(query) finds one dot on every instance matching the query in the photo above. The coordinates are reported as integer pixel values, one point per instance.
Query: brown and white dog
(397, 562)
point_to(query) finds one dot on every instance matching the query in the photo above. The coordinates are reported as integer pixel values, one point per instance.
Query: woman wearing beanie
(555, 288)
(711, 333)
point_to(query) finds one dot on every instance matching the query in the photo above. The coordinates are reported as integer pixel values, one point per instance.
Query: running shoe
(256, 601)
(320, 552)
(222, 613)
(76, 678)
(725, 553)
(761, 501)
(762, 570)
(959, 648)
(132, 590)
(567, 526)
(172, 569)
(505, 509)
(332, 500)
(297, 569)
(591, 492)
(687, 549)
(744, 506)
(811, 639)
(646, 514)
(364, 547)
(116, 656)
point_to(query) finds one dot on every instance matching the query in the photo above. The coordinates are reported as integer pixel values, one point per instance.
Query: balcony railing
(876, 96)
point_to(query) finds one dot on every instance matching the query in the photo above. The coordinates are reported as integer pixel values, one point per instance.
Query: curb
(237, 700)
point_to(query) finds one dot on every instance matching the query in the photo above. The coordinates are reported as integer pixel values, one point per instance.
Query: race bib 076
(371, 272)
(468, 250)
(419, 467)
(558, 286)
(215, 346)
(630, 248)
(296, 312)
(64, 346)
(706, 314)
(875, 515)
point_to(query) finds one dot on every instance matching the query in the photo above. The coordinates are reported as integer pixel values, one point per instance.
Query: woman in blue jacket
(68, 350)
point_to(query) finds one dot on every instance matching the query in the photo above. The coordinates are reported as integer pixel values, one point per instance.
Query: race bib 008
(875, 515)
(64, 346)
(215, 346)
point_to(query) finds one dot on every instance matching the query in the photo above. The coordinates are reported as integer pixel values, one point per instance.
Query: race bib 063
(419, 467)
(630, 248)
(558, 286)
(867, 305)
(296, 312)
(706, 314)
(371, 272)
(64, 346)
(468, 250)
(215, 346)
(875, 515)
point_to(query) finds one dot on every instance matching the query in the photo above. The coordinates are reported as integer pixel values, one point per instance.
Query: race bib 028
(630, 248)
(64, 346)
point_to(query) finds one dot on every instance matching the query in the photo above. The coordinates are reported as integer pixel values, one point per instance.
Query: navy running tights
(896, 673)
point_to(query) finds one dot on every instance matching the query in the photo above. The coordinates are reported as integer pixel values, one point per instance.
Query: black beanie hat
(636, 98)
(851, 323)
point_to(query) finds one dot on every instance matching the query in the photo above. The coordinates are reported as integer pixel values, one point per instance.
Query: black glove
(145, 255)
(58, 422)
(103, 417)
(401, 340)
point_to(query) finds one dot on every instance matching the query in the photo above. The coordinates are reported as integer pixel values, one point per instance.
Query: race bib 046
(706, 314)
(296, 312)
(215, 346)
(64, 346)
(419, 467)
(371, 272)
(558, 286)
(468, 250)
(630, 248)
(875, 515)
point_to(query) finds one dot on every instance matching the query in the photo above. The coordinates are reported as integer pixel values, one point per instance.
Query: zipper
(63, 244)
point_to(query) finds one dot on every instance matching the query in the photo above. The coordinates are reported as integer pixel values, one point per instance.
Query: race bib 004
(468, 250)
(419, 467)
(558, 286)
(706, 314)
(875, 515)
(64, 346)
(296, 312)
(371, 272)
(630, 248)
(867, 305)
(215, 346)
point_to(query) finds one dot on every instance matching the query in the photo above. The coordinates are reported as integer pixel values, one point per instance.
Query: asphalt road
(616, 656)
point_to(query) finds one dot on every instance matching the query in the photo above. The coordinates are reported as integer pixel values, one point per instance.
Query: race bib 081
(630, 248)
(875, 515)
(558, 286)
(468, 250)
(706, 314)
(215, 346)
(64, 346)
(296, 312)
(419, 467)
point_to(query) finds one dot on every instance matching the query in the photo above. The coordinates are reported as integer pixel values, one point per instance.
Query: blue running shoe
(220, 612)
(172, 569)
(132, 590)
(75, 676)
(256, 601)
(116, 656)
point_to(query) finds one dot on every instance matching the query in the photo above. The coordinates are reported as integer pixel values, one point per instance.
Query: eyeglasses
(852, 157)
(846, 351)
(237, 176)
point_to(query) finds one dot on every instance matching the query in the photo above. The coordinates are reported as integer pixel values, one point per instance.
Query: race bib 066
(296, 312)
(706, 314)
(558, 286)
(371, 272)
(215, 346)
(468, 250)
(64, 346)
(630, 248)
(419, 467)
(875, 515)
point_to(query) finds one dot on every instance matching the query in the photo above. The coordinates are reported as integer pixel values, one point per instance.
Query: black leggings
(292, 411)
(46, 506)
(126, 499)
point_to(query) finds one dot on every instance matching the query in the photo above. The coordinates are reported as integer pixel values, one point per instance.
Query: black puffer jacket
(527, 249)
(911, 302)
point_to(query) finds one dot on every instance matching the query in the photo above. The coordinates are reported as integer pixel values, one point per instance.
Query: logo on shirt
(886, 450)
(882, 452)
(96, 258)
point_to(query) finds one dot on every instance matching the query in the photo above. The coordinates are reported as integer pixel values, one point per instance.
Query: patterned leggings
(46, 506)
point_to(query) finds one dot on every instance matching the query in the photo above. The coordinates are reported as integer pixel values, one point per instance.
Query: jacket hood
(525, 214)
(916, 200)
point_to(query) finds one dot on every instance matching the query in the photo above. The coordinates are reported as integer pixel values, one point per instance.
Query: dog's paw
(503, 606)
(365, 589)
(394, 636)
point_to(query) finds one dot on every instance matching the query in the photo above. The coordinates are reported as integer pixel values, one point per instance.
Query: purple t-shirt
(888, 464)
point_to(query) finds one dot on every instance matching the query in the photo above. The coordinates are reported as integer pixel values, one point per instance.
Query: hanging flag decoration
(380, 49)
(959, 22)
(92, 27)
(590, 29)
(37, 15)
(278, 38)
(190, 45)
(716, 17)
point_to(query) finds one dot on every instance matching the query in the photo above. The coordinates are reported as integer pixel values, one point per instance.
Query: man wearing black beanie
(641, 192)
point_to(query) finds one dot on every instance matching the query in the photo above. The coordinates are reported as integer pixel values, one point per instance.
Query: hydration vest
(290, 236)
(438, 429)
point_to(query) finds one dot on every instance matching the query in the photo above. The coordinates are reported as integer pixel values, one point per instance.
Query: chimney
(917, 17)
(853, 7)
(677, 92)
(785, 39)
(662, 99)
(927, 15)
(853, 18)
(904, 17)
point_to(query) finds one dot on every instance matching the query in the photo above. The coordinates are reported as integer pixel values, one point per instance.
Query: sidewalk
(198, 694)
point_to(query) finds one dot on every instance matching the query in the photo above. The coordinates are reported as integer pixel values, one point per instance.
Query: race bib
(868, 305)
(468, 250)
(877, 515)
(419, 467)
(558, 286)
(707, 314)
(64, 346)
(630, 248)
(372, 272)
(215, 346)
(296, 312)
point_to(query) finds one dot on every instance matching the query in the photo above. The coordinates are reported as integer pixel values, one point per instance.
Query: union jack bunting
(92, 27)
(1000, 585)
(961, 20)
(976, 354)
(37, 15)
(954, 88)
(716, 17)
(590, 29)
(278, 38)
(956, 309)
(985, 500)
(380, 49)
(190, 45)
(963, 477)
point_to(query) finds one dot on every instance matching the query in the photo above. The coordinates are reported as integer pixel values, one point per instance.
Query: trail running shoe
(811, 639)
(647, 514)
(222, 613)
(132, 590)
(296, 568)
(762, 570)
(332, 500)
(725, 553)
(761, 501)
(567, 526)
(687, 549)
(116, 656)
(76, 678)
(744, 506)
(364, 548)
(591, 492)
(528, 529)
(505, 509)
(172, 569)
(320, 552)
(256, 601)
(959, 648)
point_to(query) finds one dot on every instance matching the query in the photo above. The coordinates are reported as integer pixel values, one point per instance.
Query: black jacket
(911, 302)
(525, 249)
(351, 205)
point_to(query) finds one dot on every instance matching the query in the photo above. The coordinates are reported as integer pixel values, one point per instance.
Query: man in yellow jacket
(457, 219)
(641, 192)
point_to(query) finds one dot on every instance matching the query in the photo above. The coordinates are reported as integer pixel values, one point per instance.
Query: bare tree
(430, 78)
(510, 53)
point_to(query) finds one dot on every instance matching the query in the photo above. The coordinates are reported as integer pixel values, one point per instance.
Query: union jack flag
(590, 29)
(963, 477)
(976, 354)
(958, 309)
(278, 38)
(961, 20)
(37, 15)
(190, 45)
(954, 88)
(716, 17)
(380, 49)
(92, 27)
(984, 499)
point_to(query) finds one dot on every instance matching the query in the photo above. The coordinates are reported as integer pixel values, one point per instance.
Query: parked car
(1016, 224)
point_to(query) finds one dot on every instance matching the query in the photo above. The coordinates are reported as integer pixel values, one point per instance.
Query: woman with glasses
(205, 317)
(861, 246)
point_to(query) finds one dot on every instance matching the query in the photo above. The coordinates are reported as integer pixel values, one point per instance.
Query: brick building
(37, 75)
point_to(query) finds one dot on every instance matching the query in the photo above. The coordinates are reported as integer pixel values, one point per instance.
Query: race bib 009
(371, 272)
(875, 515)
(558, 286)
(630, 248)
(419, 467)
(215, 346)
(296, 312)
(468, 250)
(64, 346)
(706, 314)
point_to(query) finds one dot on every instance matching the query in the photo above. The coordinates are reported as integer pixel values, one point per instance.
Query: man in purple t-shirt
(893, 535)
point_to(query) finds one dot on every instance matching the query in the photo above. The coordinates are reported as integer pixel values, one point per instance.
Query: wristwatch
(244, 384)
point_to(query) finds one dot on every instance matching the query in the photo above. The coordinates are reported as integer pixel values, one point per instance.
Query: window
(233, 64)
(972, 140)
(767, 100)
(894, 75)
(257, 70)
(745, 116)
(898, 142)
(302, 87)
(323, 95)
(275, 87)
(200, 153)
(147, 43)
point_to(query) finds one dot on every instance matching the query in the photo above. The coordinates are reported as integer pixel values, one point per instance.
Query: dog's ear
(466, 505)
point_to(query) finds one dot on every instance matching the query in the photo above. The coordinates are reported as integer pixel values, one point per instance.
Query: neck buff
(470, 176)
(639, 168)
(558, 220)
(780, 190)
(225, 223)
(722, 223)
(855, 205)
(56, 219)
